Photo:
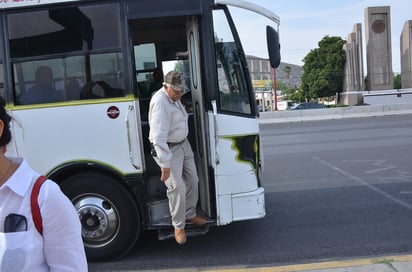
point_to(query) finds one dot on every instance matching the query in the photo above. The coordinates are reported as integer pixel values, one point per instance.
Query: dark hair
(5, 138)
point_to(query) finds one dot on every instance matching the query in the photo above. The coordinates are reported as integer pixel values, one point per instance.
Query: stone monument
(378, 48)
(353, 73)
(406, 55)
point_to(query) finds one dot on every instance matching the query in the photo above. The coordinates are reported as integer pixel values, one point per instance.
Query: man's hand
(165, 174)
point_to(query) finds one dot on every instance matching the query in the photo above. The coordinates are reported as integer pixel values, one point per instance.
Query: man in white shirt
(172, 152)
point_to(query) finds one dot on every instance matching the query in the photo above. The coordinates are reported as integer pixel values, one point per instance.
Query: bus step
(164, 222)
(164, 234)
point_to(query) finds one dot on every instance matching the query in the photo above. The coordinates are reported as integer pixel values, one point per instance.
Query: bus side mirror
(272, 39)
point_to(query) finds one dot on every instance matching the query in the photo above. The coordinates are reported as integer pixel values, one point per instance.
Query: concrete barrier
(333, 113)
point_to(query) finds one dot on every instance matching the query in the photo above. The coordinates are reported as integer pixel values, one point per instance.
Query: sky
(303, 23)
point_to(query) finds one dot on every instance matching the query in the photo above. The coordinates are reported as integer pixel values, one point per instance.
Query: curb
(334, 113)
(378, 262)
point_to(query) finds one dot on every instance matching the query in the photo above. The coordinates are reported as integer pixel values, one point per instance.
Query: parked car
(308, 105)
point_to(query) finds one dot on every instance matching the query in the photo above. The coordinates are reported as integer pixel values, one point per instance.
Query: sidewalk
(396, 263)
(334, 113)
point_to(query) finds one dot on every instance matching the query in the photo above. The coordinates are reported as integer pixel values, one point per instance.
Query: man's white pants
(182, 184)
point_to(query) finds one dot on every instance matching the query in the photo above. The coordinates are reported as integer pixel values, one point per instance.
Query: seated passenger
(73, 89)
(43, 90)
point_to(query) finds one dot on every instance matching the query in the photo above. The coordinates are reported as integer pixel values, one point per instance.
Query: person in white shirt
(22, 247)
(168, 121)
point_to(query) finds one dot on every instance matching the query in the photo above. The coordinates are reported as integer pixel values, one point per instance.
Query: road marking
(383, 166)
(319, 265)
(361, 181)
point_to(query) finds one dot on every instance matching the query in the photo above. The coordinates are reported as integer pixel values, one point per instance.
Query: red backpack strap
(34, 203)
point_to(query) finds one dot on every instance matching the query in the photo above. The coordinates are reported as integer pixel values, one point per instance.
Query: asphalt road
(335, 189)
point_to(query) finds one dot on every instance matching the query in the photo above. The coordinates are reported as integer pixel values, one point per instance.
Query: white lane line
(383, 166)
(364, 183)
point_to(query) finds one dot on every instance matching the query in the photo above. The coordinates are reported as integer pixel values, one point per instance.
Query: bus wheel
(109, 216)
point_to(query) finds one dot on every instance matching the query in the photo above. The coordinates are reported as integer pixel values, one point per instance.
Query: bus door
(192, 30)
(170, 43)
(234, 131)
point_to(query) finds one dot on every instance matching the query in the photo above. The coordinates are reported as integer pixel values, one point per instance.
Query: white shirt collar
(21, 179)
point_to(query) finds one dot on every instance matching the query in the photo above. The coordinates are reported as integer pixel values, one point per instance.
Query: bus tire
(109, 216)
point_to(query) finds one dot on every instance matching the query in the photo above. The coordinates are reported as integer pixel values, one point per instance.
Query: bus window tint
(145, 63)
(80, 46)
(233, 93)
(64, 30)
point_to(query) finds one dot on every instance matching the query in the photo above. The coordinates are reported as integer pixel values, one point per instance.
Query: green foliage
(179, 66)
(285, 88)
(287, 91)
(298, 96)
(397, 82)
(366, 83)
(287, 71)
(338, 106)
(323, 69)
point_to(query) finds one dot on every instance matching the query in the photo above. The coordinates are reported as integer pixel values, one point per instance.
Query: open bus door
(201, 157)
(235, 130)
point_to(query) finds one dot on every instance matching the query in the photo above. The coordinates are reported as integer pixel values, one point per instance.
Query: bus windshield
(233, 93)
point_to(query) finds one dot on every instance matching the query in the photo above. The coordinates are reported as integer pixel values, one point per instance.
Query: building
(262, 79)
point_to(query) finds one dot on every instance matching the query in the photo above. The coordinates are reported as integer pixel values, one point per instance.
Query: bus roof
(26, 3)
(236, 3)
(252, 7)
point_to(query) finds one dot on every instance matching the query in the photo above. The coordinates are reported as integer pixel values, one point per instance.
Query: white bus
(76, 78)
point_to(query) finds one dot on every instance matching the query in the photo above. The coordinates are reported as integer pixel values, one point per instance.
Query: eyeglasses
(15, 223)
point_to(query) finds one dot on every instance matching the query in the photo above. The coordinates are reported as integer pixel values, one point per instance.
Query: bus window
(146, 63)
(64, 30)
(36, 82)
(66, 54)
(107, 69)
(233, 92)
(65, 79)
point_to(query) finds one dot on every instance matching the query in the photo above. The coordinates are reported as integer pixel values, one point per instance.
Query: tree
(298, 96)
(323, 69)
(287, 71)
(397, 82)
(179, 66)
(282, 86)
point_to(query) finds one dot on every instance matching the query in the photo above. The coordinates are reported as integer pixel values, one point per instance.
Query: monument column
(378, 48)
(406, 55)
(353, 73)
